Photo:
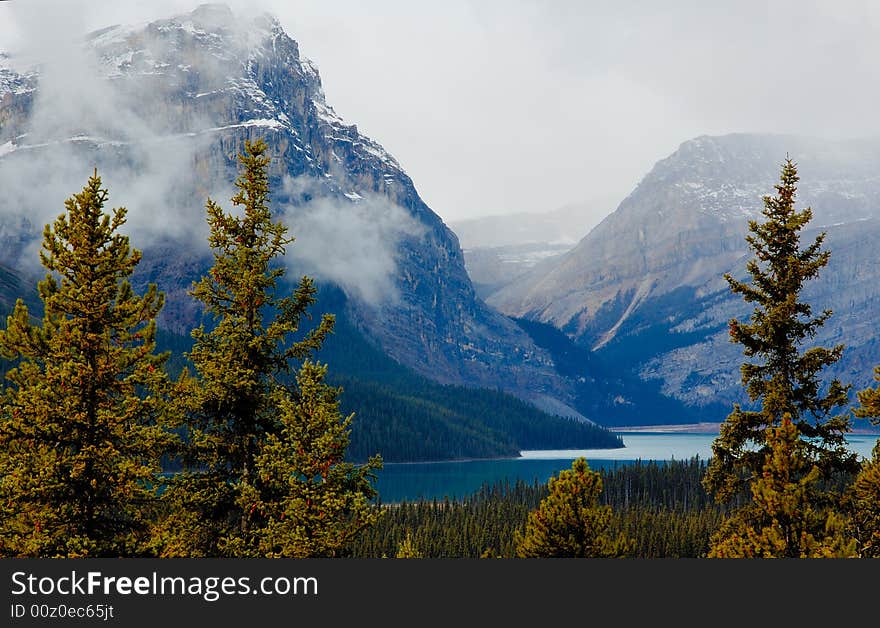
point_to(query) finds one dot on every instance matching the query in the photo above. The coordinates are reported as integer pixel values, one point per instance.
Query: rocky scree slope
(644, 288)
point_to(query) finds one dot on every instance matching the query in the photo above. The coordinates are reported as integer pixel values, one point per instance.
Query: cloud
(83, 121)
(352, 241)
(571, 99)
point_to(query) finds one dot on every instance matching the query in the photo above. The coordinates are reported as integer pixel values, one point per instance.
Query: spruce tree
(869, 401)
(241, 417)
(783, 520)
(314, 503)
(863, 496)
(863, 507)
(407, 548)
(569, 522)
(79, 441)
(781, 374)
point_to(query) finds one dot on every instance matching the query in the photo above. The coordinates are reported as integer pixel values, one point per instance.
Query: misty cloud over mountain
(165, 110)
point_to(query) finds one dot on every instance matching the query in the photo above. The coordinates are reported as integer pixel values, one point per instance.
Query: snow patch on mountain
(164, 108)
(13, 79)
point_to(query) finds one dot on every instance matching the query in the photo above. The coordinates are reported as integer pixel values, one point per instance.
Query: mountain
(162, 110)
(563, 226)
(500, 249)
(644, 288)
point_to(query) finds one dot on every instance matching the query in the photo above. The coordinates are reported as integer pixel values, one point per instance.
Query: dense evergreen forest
(662, 506)
(407, 417)
(399, 414)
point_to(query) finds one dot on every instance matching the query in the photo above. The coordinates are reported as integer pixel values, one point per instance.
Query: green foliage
(79, 441)
(869, 401)
(407, 548)
(569, 522)
(782, 521)
(314, 502)
(430, 421)
(662, 507)
(668, 533)
(407, 417)
(483, 523)
(239, 415)
(783, 377)
(862, 504)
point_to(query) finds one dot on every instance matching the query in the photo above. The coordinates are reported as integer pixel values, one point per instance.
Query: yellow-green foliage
(407, 548)
(569, 522)
(263, 467)
(869, 401)
(782, 521)
(780, 373)
(863, 506)
(79, 441)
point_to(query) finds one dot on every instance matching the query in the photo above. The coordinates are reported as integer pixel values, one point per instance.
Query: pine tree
(239, 412)
(313, 501)
(407, 548)
(863, 496)
(569, 522)
(79, 441)
(785, 379)
(863, 506)
(782, 521)
(869, 401)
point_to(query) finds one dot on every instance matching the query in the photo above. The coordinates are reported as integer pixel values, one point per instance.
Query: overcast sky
(503, 106)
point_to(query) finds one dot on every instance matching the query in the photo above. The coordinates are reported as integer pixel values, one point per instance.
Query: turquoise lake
(429, 480)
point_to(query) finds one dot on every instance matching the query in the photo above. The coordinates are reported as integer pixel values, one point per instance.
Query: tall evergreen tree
(781, 375)
(238, 411)
(783, 520)
(79, 441)
(313, 501)
(869, 401)
(569, 522)
(863, 507)
(863, 496)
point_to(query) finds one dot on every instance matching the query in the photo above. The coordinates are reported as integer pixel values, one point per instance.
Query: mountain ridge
(195, 86)
(645, 287)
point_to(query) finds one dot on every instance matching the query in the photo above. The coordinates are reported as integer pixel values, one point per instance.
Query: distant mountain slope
(563, 226)
(500, 249)
(405, 416)
(606, 388)
(493, 268)
(644, 288)
(12, 287)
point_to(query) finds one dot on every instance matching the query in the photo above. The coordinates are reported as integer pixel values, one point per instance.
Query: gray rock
(647, 281)
(193, 88)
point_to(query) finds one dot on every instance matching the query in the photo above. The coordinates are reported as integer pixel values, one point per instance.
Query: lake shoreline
(708, 428)
(690, 428)
(679, 428)
(449, 460)
(409, 481)
(517, 457)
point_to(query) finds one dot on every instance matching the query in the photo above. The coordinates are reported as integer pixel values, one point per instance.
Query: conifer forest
(240, 441)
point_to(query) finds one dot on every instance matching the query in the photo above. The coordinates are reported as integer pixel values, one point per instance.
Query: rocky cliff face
(645, 286)
(172, 103)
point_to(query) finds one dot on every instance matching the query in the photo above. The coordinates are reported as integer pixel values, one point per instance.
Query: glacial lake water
(429, 480)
